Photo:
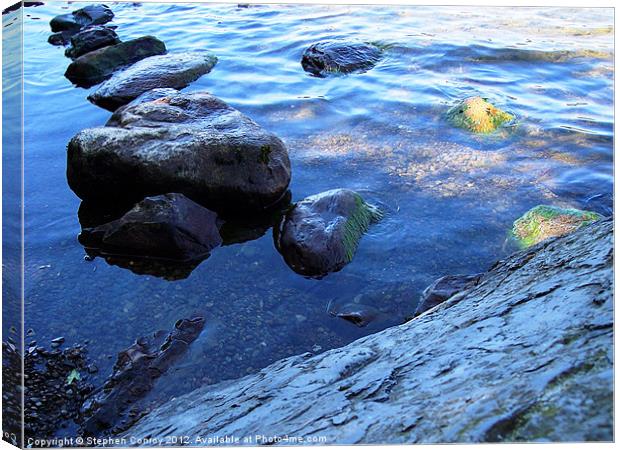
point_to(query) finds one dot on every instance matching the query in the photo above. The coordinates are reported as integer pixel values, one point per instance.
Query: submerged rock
(94, 67)
(90, 39)
(169, 226)
(444, 288)
(525, 355)
(331, 57)
(134, 374)
(89, 15)
(477, 115)
(176, 70)
(194, 144)
(543, 222)
(320, 234)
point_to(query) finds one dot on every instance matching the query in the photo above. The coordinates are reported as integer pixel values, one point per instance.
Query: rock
(94, 67)
(524, 355)
(359, 315)
(90, 39)
(333, 57)
(134, 374)
(320, 234)
(543, 222)
(444, 288)
(60, 38)
(89, 15)
(194, 144)
(175, 71)
(478, 115)
(169, 226)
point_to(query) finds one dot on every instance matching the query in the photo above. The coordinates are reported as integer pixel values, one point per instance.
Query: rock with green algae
(476, 114)
(320, 234)
(543, 222)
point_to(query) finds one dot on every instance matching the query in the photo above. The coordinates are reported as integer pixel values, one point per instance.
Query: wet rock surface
(114, 406)
(78, 19)
(536, 335)
(320, 234)
(194, 144)
(333, 57)
(90, 39)
(444, 288)
(174, 70)
(543, 222)
(94, 67)
(169, 226)
(56, 382)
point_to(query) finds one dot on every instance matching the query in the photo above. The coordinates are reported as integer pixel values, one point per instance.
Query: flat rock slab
(89, 15)
(320, 234)
(524, 355)
(169, 226)
(194, 144)
(174, 70)
(90, 39)
(94, 67)
(340, 57)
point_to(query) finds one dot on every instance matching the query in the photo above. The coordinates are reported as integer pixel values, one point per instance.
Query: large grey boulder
(340, 57)
(167, 226)
(320, 234)
(174, 70)
(94, 67)
(194, 144)
(89, 15)
(524, 355)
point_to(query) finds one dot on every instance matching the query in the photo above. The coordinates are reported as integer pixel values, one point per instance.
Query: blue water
(449, 197)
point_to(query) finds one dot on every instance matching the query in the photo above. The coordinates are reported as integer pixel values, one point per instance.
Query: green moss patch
(543, 222)
(357, 224)
(477, 115)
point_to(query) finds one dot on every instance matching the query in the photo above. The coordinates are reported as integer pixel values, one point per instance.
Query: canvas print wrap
(249, 224)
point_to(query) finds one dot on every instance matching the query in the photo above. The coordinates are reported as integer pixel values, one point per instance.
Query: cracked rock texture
(526, 354)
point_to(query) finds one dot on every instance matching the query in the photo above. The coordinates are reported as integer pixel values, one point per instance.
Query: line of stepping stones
(174, 154)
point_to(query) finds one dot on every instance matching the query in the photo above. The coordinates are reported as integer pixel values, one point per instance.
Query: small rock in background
(90, 39)
(89, 15)
(340, 57)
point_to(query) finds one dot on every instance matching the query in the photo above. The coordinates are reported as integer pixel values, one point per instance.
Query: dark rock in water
(194, 144)
(358, 314)
(134, 375)
(60, 38)
(331, 57)
(176, 71)
(90, 39)
(525, 355)
(89, 15)
(444, 288)
(167, 226)
(94, 67)
(320, 234)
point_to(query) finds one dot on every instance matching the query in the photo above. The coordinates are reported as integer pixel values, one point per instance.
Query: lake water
(449, 197)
